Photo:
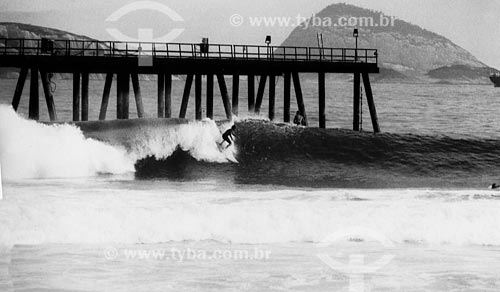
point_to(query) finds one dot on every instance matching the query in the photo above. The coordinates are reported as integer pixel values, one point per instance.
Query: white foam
(95, 215)
(199, 138)
(32, 150)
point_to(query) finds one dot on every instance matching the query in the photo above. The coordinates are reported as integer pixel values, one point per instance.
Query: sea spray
(90, 214)
(199, 138)
(32, 150)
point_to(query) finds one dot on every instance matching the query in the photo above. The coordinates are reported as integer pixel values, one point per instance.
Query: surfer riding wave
(228, 136)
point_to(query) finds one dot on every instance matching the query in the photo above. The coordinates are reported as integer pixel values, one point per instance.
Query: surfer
(228, 136)
(494, 187)
(299, 119)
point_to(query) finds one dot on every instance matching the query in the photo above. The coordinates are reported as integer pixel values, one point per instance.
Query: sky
(471, 24)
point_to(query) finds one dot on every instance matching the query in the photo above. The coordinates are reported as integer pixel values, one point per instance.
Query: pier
(123, 62)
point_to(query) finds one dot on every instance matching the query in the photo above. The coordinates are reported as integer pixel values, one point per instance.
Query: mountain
(26, 31)
(403, 47)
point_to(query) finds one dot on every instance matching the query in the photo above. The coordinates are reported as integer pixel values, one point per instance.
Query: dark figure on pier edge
(228, 136)
(299, 119)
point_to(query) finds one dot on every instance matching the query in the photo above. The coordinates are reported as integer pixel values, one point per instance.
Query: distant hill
(404, 47)
(28, 31)
(461, 72)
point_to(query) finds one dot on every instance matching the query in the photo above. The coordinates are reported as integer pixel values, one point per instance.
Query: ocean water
(155, 206)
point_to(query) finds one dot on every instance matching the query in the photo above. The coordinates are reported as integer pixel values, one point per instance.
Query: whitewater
(32, 150)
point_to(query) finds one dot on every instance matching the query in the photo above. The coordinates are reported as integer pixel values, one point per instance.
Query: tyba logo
(145, 34)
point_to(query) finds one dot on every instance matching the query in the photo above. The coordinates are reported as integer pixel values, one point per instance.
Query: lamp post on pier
(355, 34)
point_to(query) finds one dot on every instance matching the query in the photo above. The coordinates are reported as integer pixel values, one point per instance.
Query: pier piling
(161, 95)
(272, 96)
(123, 92)
(260, 93)
(49, 98)
(299, 96)
(138, 95)
(356, 102)
(225, 96)
(105, 96)
(286, 97)
(85, 96)
(168, 95)
(210, 96)
(198, 89)
(322, 99)
(76, 96)
(371, 103)
(34, 106)
(185, 96)
(19, 87)
(251, 93)
(236, 94)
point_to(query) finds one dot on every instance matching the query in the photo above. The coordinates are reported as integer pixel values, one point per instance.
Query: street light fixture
(268, 42)
(355, 34)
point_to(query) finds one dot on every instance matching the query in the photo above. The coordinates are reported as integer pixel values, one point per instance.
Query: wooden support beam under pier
(105, 96)
(123, 92)
(85, 96)
(299, 96)
(34, 106)
(286, 97)
(272, 96)
(185, 96)
(251, 93)
(356, 102)
(210, 96)
(161, 95)
(236, 94)
(197, 96)
(138, 95)
(76, 96)
(168, 95)
(19, 87)
(49, 98)
(225, 96)
(260, 93)
(371, 102)
(322, 99)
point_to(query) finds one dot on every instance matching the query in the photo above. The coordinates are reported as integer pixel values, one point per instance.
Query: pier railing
(67, 48)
